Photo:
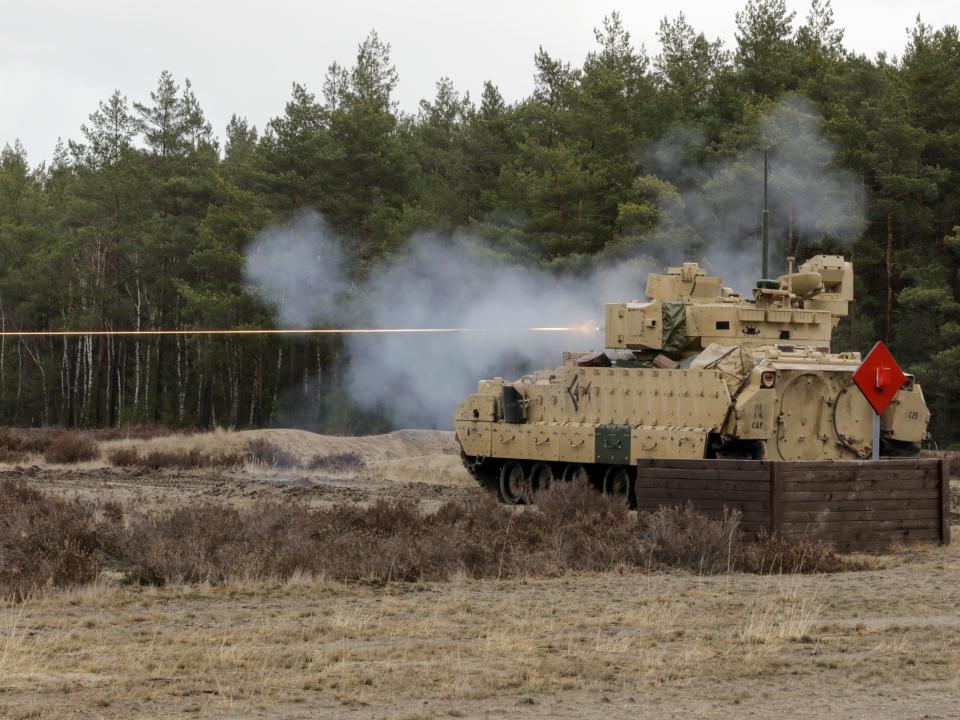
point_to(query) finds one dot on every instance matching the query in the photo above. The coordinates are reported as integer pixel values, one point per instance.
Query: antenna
(764, 218)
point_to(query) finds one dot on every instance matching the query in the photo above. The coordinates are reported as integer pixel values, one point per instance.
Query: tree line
(142, 221)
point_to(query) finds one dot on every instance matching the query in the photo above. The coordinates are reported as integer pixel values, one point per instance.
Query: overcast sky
(58, 59)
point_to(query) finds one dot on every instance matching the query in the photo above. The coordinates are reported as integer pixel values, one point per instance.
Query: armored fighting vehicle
(695, 371)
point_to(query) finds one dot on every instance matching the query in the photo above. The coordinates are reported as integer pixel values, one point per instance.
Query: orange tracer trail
(259, 331)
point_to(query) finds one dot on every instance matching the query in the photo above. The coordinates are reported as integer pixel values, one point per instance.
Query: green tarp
(674, 327)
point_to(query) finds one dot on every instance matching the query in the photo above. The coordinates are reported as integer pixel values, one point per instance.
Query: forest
(143, 218)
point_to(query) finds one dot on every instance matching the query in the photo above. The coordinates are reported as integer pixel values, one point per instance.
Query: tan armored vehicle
(696, 371)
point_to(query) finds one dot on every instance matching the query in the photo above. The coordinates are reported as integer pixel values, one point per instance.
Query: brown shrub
(141, 431)
(49, 542)
(13, 456)
(337, 462)
(71, 447)
(180, 460)
(38, 440)
(683, 537)
(28, 440)
(572, 528)
(269, 453)
(157, 459)
(774, 554)
(389, 540)
(124, 457)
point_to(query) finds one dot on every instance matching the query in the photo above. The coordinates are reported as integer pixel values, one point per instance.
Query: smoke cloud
(452, 282)
(434, 282)
(302, 269)
(812, 201)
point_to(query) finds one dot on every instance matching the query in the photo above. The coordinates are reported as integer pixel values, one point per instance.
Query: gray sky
(59, 58)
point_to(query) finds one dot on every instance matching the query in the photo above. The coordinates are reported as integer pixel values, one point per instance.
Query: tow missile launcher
(695, 371)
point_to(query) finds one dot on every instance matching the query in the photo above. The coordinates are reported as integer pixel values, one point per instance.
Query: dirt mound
(306, 446)
(428, 456)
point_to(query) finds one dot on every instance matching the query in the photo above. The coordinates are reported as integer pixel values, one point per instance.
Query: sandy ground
(421, 465)
(883, 643)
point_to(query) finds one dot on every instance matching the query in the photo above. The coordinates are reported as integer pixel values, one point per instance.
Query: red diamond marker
(879, 377)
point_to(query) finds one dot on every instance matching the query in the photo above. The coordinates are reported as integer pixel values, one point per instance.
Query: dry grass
(788, 613)
(46, 541)
(305, 446)
(36, 440)
(774, 554)
(58, 446)
(686, 538)
(124, 457)
(271, 454)
(71, 448)
(350, 461)
(347, 648)
(171, 459)
(28, 440)
(399, 457)
(296, 611)
(535, 633)
(13, 457)
(580, 645)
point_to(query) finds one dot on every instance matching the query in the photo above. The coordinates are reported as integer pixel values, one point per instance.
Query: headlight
(768, 379)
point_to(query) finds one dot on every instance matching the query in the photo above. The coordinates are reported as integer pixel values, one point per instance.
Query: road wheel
(575, 472)
(618, 482)
(514, 483)
(541, 477)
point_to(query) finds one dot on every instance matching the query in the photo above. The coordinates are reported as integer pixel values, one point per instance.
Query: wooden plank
(855, 469)
(658, 473)
(722, 465)
(841, 464)
(907, 494)
(860, 526)
(700, 494)
(848, 515)
(870, 535)
(814, 476)
(862, 545)
(776, 497)
(751, 517)
(858, 474)
(862, 504)
(877, 483)
(696, 484)
(944, 477)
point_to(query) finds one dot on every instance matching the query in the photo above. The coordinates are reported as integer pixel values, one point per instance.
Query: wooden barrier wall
(855, 505)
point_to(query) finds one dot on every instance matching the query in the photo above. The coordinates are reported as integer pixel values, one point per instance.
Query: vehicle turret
(689, 309)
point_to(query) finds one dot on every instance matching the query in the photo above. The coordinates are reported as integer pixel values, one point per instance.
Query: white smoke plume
(812, 201)
(301, 268)
(434, 282)
(450, 282)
